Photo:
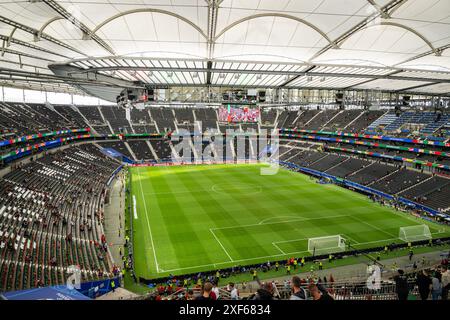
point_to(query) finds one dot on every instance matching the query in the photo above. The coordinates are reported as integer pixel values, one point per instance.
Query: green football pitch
(207, 217)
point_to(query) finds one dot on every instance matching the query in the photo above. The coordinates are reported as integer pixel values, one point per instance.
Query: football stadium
(226, 150)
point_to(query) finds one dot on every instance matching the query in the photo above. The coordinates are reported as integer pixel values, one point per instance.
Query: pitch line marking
(279, 249)
(268, 219)
(349, 238)
(240, 260)
(148, 223)
(217, 239)
(292, 220)
(272, 256)
(375, 227)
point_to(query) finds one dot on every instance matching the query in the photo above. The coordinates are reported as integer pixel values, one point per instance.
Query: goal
(415, 233)
(326, 245)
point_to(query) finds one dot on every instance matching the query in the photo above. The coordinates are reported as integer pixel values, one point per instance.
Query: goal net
(415, 233)
(326, 245)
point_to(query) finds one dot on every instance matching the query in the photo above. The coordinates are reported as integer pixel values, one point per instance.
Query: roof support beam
(149, 10)
(46, 24)
(438, 52)
(280, 15)
(296, 77)
(31, 46)
(417, 87)
(387, 8)
(370, 80)
(382, 13)
(398, 25)
(86, 31)
(35, 32)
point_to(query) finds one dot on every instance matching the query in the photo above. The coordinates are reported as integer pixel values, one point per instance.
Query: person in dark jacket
(401, 285)
(298, 293)
(319, 293)
(423, 282)
(265, 292)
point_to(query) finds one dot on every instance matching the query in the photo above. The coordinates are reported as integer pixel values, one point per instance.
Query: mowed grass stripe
(248, 212)
(182, 231)
(200, 226)
(234, 217)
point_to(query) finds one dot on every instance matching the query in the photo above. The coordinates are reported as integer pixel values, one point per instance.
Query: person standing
(298, 293)
(206, 294)
(436, 287)
(319, 293)
(234, 293)
(423, 282)
(445, 283)
(401, 286)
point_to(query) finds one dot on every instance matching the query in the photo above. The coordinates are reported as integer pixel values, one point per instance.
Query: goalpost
(415, 233)
(326, 245)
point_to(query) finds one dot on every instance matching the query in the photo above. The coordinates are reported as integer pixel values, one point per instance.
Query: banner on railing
(35, 136)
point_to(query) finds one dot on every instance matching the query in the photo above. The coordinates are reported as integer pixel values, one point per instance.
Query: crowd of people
(433, 283)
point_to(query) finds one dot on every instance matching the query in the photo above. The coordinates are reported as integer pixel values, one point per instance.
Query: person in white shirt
(234, 293)
(215, 289)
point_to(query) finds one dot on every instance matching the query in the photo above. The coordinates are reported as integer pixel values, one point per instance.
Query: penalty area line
(220, 243)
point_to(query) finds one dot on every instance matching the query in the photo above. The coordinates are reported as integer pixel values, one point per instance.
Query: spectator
(265, 292)
(298, 293)
(206, 292)
(445, 283)
(436, 287)
(215, 290)
(401, 286)
(234, 293)
(318, 292)
(423, 282)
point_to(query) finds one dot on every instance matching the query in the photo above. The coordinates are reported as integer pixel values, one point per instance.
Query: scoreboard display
(233, 113)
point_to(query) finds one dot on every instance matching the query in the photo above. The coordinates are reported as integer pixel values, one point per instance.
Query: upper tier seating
(286, 119)
(184, 115)
(268, 117)
(208, 117)
(321, 119)
(164, 119)
(339, 122)
(117, 119)
(92, 114)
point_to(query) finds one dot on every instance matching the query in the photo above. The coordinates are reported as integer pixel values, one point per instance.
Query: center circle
(236, 188)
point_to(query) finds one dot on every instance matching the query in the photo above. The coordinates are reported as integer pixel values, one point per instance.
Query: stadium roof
(398, 45)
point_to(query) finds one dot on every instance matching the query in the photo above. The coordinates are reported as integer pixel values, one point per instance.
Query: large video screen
(232, 114)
